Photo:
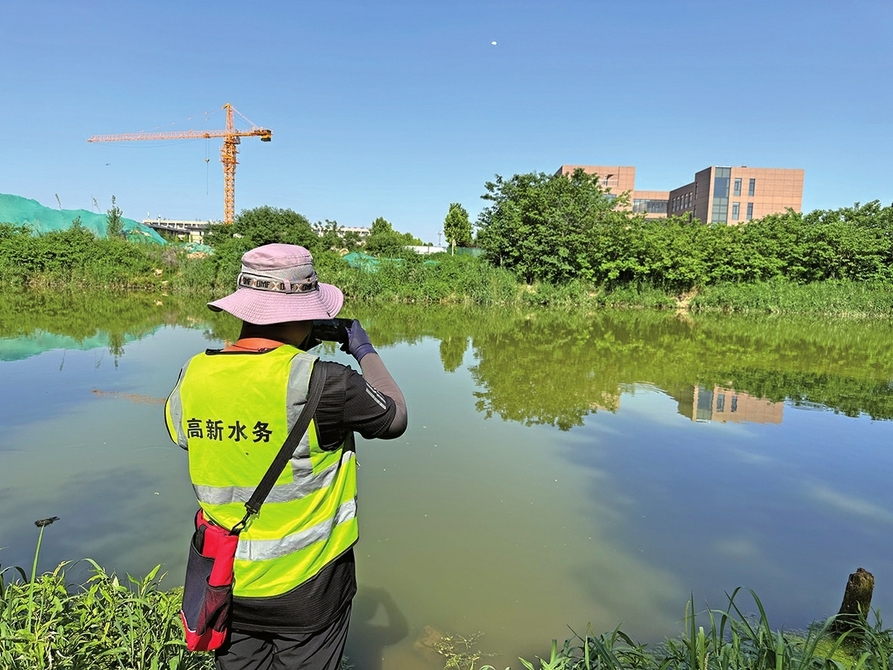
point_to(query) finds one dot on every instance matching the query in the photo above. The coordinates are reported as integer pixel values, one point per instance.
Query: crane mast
(228, 152)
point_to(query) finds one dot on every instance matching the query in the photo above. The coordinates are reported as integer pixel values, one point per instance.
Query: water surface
(559, 469)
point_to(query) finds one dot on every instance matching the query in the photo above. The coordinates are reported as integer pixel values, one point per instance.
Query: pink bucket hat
(278, 284)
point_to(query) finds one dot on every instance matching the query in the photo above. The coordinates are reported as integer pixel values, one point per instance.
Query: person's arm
(376, 375)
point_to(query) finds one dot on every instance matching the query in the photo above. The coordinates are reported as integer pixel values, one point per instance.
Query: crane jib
(231, 137)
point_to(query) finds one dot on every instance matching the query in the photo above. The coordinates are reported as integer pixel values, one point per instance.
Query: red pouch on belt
(208, 589)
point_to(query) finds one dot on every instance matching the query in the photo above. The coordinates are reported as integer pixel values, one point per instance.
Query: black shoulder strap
(317, 382)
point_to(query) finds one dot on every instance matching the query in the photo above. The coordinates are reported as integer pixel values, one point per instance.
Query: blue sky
(397, 109)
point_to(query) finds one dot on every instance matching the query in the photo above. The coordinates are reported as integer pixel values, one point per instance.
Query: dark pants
(278, 651)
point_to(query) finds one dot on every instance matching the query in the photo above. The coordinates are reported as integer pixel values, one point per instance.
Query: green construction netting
(22, 211)
(362, 261)
(197, 247)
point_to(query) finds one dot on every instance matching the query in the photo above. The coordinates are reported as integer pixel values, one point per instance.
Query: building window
(704, 411)
(736, 210)
(721, 179)
(720, 402)
(737, 190)
(749, 211)
(751, 187)
(650, 206)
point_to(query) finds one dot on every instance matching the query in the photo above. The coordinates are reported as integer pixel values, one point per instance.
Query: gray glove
(358, 344)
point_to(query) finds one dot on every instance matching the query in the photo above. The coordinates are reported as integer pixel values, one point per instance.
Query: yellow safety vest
(233, 411)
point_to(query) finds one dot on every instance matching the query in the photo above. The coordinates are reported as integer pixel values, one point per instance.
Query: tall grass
(105, 624)
(842, 298)
(711, 640)
(132, 624)
(441, 279)
(75, 259)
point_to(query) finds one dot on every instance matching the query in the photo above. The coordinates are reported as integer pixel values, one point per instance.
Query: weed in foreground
(105, 624)
(713, 640)
(108, 623)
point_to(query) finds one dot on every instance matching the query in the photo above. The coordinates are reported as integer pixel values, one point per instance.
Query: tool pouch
(208, 589)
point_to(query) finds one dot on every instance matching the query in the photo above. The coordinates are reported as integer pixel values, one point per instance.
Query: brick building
(728, 195)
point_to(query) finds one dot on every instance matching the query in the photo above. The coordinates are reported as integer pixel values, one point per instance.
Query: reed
(839, 298)
(108, 623)
(717, 640)
(105, 624)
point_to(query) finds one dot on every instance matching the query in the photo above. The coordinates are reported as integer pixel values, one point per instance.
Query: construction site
(42, 219)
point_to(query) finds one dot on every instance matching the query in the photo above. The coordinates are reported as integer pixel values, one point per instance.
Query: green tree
(115, 227)
(265, 225)
(457, 227)
(329, 234)
(384, 241)
(556, 228)
(351, 240)
(381, 226)
(252, 228)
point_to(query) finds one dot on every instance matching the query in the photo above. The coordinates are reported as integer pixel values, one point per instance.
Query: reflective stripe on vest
(264, 550)
(304, 484)
(232, 411)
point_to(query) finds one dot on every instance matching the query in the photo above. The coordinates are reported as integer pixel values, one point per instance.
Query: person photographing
(232, 408)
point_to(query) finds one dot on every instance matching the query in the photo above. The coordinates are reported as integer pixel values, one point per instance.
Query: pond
(560, 469)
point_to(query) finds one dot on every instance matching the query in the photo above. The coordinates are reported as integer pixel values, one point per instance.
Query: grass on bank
(113, 624)
(465, 280)
(839, 298)
(712, 640)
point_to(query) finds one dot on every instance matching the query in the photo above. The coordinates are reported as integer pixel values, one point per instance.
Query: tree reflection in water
(550, 367)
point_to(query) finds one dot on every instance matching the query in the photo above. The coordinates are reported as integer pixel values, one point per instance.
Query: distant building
(622, 178)
(427, 249)
(736, 194)
(619, 178)
(727, 195)
(190, 231)
(361, 231)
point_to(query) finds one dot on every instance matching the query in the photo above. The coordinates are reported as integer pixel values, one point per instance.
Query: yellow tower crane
(231, 137)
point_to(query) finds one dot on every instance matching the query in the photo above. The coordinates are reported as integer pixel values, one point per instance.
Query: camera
(330, 330)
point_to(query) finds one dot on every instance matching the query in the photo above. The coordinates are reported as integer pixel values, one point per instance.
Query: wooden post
(856, 602)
